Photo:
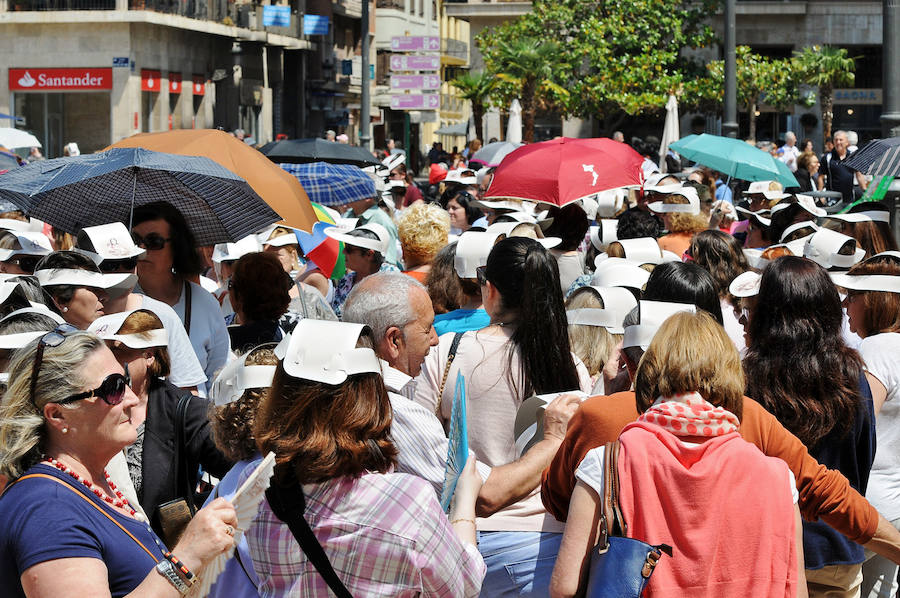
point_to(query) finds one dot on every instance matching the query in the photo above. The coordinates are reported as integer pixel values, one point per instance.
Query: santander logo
(27, 80)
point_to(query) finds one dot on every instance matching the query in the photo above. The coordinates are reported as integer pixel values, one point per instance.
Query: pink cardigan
(723, 506)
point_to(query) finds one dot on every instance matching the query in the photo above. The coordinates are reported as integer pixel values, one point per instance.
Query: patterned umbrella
(879, 157)
(332, 184)
(88, 190)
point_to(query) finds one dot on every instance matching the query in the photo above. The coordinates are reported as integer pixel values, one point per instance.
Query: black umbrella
(301, 151)
(88, 190)
(879, 157)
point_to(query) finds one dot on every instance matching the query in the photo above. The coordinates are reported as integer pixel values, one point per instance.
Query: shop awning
(459, 129)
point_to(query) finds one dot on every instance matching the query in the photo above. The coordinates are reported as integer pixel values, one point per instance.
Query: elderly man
(832, 172)
(789, 152)
(398, 310)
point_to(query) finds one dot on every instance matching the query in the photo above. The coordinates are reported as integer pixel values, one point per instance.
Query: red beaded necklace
(119, 501)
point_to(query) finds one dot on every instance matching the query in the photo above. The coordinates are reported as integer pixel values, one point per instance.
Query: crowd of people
(741, 350)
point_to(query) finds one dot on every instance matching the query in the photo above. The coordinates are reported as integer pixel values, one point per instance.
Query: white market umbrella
(514, 124)
(670, 131)
(15, 138)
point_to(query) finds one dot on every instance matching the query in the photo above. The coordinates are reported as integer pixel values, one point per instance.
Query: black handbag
(175, 514)
(620, 566)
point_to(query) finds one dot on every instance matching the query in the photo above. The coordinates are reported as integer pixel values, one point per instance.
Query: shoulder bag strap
(90, 502)
(187, 307)
(612, 519)
(183, 486)
(450, 357)
(288, 504)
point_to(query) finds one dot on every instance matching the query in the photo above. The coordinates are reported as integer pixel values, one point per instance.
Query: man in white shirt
(398, 310)
(789, 152)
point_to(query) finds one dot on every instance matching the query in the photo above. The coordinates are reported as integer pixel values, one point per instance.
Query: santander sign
(75, 79)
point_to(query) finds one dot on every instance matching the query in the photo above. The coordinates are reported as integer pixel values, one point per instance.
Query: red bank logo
(33, 79)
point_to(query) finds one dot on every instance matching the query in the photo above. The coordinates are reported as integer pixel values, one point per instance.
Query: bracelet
(472, 521)
(167, 570)
(181, 568)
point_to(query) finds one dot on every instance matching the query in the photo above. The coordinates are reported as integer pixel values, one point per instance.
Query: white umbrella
(514, 125)
(15, 138)
(670, 131)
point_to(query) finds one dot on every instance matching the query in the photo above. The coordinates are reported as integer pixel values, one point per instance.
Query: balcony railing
(395, 4)
(16, 5)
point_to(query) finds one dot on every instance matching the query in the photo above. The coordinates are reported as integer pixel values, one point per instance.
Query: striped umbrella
(322, 250)
(879, 157)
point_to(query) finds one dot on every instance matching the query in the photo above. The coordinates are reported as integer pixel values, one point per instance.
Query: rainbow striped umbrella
(320, 249)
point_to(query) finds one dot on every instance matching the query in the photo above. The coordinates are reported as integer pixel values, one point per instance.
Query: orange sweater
(824, 494)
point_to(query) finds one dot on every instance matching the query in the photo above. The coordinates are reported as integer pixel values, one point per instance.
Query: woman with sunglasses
(167, 273)
(21, 251)
(65, 530)
(524, 351)
(139, 342)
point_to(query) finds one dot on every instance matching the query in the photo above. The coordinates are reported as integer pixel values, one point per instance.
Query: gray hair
(790, 135)
(381, 300)
(840, 132)
(852, 137)
(61, 375)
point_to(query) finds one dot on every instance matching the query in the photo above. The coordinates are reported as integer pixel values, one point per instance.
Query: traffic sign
(415, 82)
(400, 62)
(416, 101)
(419, 43)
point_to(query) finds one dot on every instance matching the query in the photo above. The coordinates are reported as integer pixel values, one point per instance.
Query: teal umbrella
(734, 158)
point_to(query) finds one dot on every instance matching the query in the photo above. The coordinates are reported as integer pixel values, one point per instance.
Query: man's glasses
(152, 242)
(26, 263)
(111, 391)
(117, 265)
(481, 275)
(54, 338)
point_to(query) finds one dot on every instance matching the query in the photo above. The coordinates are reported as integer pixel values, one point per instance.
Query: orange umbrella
(280, 190)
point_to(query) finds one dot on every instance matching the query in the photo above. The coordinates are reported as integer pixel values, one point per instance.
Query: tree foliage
(476, 87)
(826, 67)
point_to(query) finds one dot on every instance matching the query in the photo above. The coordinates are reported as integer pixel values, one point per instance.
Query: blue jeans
(518, 563)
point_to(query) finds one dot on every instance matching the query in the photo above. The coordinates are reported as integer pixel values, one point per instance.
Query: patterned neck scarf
(689, 414)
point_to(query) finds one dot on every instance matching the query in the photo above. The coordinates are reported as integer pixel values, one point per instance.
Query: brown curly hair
(261, 287)
(232, 424)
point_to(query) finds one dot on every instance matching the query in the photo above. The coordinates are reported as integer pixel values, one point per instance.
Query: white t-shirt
(185, 370)
(881, 352)
(208, 333)
(733, 327)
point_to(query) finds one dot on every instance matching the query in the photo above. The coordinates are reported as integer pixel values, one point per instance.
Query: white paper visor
(661, 207)
(144, 340)
(82, 278)
(325, 351)
(603, 318)
(867, 282)
(745, 285)
(653, 314)
(242, 378)
(365, 242)
(870, 216)
(19, 340)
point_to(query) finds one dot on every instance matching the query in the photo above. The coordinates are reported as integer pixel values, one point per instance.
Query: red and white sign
(174, 82)
(199, 84)
(81, 79)
(150, 80)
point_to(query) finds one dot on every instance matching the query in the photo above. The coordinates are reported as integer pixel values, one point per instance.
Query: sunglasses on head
(117, 265)
(111, 391)
(481, 275)
(152, 242)
(54, 338)
(26, 263)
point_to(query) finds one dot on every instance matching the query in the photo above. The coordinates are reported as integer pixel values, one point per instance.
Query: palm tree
(826, 67)
(528, 64)
(477, 88)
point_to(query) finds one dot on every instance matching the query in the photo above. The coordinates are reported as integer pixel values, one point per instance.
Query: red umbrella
(564, 170)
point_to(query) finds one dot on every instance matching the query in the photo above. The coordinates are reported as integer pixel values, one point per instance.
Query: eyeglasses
(481, 275)
(26, 263)
(116, 265)
(54, 338)
(111, 391)
(152, 242)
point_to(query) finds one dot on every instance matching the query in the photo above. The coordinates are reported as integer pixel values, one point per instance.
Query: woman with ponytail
(524, 351)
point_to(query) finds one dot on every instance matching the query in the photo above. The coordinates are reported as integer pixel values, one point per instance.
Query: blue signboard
(276, 16)
(120, 62)
(315, 25)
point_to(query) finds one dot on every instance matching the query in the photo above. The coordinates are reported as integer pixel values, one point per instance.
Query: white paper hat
(111, 242)
(393, 161)
(506, 228)
(617, 303)
(29, 244)
(472, 251)
(107, 328)
(688, 192)
(745, 284)
(823, 246)
(84, 278)
(463, 176)
(762, 188)
(620, 274)
(325, 351)
(643, 250)
(507, 205)
(281, 240)
(804, 201)
(236, 377)
(14, 224)
(394, 184)
(228, 252)
(867, 216)
(604, 233)
(652, 316)
(764, 216)
(609, 203)
(35, 308)
(18, 340)
(870, 282)
(380, 244)
(345, 224)
(798, 226)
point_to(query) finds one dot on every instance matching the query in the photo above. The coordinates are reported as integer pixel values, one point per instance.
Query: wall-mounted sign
(416, 101)
(174, 83)
(866, 97)
(420, 43)
(198, 84)
(415, 82)
(276, 16)
(80, 79)
(150, 80)
(121, 62)
(315, 25)
(400, 62)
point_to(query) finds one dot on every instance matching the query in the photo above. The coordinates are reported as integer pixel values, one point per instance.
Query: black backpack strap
(288, 504)
(182, 471)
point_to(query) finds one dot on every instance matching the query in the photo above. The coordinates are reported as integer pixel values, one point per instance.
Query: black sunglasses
(152, 242)
(111, 391)
(481, 275)
(116, 265)
(54, 338)
(26, 263)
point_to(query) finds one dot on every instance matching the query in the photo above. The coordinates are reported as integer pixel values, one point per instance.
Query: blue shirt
(42, 520)
(461, 320)
(723, 191)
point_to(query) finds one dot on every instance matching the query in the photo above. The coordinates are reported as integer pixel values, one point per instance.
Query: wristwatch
(167, 570)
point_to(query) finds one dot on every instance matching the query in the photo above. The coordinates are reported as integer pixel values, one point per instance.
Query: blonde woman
(423, 230)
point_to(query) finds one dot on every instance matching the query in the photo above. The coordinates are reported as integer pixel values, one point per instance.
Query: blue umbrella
(332, 184)
(75, 192)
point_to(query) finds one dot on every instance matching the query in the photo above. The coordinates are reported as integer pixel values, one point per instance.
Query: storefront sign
(174, 82)
(276, 16)
(863, 97)
(199, 85)
(80, 79)
(150, 80)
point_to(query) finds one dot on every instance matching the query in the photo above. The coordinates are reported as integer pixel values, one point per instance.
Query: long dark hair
(797, 365)
(528, 280)
(684, 282)
(185, 257)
